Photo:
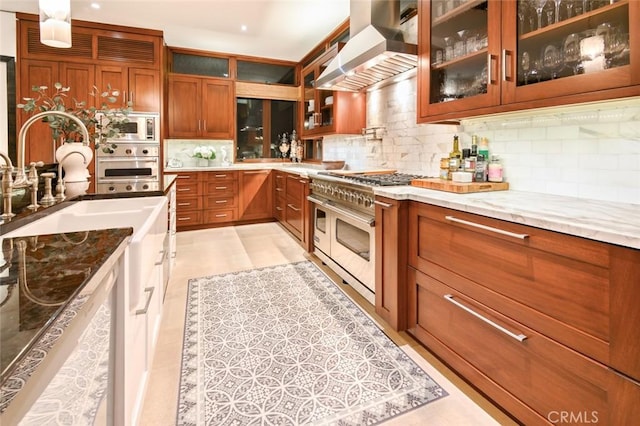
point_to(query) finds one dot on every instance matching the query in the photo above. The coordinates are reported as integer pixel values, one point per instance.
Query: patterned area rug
(284, 345)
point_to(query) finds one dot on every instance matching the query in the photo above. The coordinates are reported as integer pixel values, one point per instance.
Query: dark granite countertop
(54, 268)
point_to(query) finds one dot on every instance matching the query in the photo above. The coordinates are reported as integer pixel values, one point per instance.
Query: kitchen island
(52, 286)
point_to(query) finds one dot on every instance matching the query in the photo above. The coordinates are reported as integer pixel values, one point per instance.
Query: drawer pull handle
(184, 204)
(487, 228)
(279, 208)
(221, 188)
(294, 208)
(184, 218)
(221, 215)
(221, 176)
(146, 306)
(184, 189)
(518, 337)
(184, 177)
(279, 189)
(385, 205)
(221, 201)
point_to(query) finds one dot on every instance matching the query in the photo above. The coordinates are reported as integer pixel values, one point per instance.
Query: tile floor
(221, 250)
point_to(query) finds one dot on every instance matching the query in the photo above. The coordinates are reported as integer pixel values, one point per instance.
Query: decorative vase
(75, 158)
(202, 162)
(211, 163)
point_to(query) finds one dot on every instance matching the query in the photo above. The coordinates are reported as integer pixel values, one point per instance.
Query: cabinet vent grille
(115, 49)
(81, 45)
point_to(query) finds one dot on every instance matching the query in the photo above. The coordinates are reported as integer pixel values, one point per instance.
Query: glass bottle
(455, 156)
(495, 169)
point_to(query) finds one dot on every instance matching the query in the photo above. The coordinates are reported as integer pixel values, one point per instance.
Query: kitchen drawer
(293, 216)
(220, 216)
(221, 188)
(188, 188)
(228, 202)
(279, 208)
(188, 203)
(295, 185)
(221, 176)
(554, 283)
(188, 218)
(279, 182)
(536, 374)
(188, 177)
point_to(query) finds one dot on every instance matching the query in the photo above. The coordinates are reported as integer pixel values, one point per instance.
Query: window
(200, 65)
(266, 73)
(260, 122)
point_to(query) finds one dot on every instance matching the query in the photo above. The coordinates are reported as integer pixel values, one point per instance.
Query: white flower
(206, 152)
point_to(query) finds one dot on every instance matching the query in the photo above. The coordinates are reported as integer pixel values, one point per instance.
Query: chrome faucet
(22, 180)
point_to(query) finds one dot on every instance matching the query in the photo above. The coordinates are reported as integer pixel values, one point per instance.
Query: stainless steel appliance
(132, 163)
(138, 127)
(344, 224)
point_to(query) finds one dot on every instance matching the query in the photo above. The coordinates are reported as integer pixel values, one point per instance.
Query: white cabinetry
(141, 318)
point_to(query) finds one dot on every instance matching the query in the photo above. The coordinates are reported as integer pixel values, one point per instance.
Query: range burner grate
(389, 179)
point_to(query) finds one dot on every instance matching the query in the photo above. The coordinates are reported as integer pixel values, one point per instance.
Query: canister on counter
(444, 168)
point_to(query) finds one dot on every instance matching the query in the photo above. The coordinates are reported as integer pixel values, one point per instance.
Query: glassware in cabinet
(570, 48)
(459, 49)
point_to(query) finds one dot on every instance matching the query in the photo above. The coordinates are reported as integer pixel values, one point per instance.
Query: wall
(182, 150)
(590, 151)
(7, 48)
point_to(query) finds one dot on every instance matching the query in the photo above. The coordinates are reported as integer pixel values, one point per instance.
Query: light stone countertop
(616, 223)
(611, 222)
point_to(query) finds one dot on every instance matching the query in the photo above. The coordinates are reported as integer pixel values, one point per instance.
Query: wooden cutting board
(459, 187)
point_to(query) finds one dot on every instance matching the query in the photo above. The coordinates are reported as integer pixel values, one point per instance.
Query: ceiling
(278, 29)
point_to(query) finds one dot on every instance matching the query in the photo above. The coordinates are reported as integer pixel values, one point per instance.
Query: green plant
(102, 122)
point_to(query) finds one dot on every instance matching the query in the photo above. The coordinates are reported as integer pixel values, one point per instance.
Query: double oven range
(344, 224)
(133, 164)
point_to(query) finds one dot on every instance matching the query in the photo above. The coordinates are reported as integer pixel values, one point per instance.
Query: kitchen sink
(147, 216)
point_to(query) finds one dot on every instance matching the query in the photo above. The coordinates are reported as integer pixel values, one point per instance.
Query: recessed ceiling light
(243, 27)
(95, 5)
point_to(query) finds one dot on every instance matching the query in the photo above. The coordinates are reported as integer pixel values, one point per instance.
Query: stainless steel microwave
(138, 127)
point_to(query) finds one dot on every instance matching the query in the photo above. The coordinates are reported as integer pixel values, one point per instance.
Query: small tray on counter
(459, 187)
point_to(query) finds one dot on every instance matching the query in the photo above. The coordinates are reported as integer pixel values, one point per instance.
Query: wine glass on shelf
(569, 5)
(557, 2)
(539, 6)
(551, 61)
(571, 51)
(522, 16)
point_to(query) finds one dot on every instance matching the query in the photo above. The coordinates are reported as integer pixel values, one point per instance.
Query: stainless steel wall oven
(133, 164)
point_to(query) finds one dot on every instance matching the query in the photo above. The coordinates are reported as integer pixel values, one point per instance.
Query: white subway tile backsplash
(586, 151)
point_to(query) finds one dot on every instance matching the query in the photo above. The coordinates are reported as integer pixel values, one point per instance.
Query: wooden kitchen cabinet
(483, 56)
(189, 199)
(537, 320)
(220, 197)
(140, 86)
(291, 207)
(326, 112)
(128, 59)
(79, 78)
(201, 107)
(256, 195)
(391, 260)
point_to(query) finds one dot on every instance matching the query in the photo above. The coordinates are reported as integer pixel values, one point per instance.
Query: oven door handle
(103, 160)
(370, 221)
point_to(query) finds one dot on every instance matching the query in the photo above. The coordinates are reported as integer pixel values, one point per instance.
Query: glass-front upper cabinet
(483, 57)
(459, 46)
(568, 47)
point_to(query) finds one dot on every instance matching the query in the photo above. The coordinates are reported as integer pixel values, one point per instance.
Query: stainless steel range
(344, 221)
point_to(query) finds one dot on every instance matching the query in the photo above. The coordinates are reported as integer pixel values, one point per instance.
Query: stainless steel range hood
(376, 50)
